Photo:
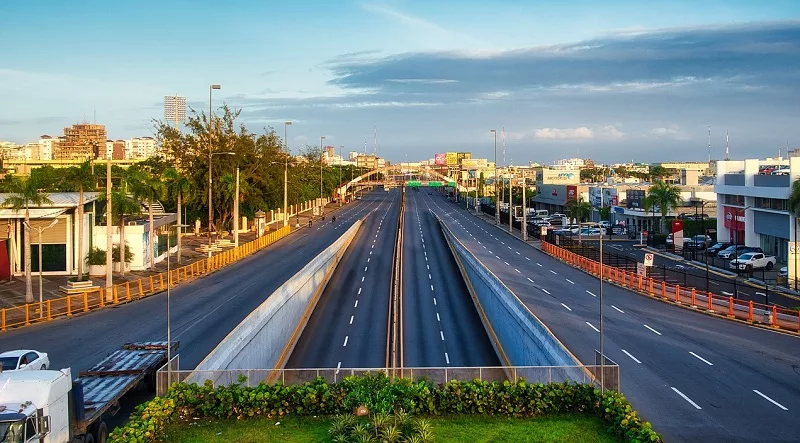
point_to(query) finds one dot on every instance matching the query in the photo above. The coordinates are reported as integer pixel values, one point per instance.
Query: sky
(613, 81)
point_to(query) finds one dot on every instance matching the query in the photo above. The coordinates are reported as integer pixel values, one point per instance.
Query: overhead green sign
(414, 183)
(451, 184)
(435, 184)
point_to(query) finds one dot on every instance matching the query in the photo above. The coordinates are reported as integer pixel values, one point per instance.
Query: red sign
(734, 218)
(440, 159)
(572, 192)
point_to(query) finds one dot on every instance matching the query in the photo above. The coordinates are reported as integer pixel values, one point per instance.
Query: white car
(23, 360)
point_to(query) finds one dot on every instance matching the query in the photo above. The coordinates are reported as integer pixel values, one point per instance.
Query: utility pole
(494, 182)
(236, 212)
(211, 88)
(321, 151)
(524, 210)
(109, 238)
(510, 204)
(286, 178)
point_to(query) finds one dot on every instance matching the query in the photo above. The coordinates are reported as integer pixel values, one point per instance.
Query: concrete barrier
(266, 337)
(519, 337)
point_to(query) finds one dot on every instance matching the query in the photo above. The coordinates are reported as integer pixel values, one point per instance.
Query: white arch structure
(342, 190)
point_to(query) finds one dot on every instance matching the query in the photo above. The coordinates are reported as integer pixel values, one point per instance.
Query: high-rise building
(47, 147)
(140, 148)
(81, 141)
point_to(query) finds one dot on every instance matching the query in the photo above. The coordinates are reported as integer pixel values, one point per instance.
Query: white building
(47, 145)
(753, 206)
(569, 163)
(139, 147)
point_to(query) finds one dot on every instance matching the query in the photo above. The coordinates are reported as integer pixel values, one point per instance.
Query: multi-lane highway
(204, 311)
(697, 378)
(348, 328)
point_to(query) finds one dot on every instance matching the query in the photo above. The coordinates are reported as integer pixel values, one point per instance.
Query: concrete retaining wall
(267, 336)
(520, 337)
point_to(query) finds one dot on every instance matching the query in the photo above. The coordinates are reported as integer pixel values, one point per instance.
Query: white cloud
(424, 81)
(564, 134)
(611, 131)
(672, 131)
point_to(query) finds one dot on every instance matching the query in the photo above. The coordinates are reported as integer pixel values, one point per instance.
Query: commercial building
(80, 142)
(47, 146)
(754, 208)
(370, 161)
(140, 148)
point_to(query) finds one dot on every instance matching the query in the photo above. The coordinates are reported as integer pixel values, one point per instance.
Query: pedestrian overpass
(396, 176)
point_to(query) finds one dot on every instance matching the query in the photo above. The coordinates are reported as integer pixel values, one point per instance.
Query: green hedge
(381, 394)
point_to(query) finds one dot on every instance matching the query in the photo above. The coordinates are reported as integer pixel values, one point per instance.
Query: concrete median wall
(267, 336)
(519, 337)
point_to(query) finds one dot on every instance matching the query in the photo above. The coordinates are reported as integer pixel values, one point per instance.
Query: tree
(481, 185)
(177, 187)
(146, 187)
(579, 209)
(84, 179)
(605, 213)
(26, 192)
(794, 206)
(665, 196)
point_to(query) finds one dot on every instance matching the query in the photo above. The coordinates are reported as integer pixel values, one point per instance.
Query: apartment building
(80, 142)
(140, 148)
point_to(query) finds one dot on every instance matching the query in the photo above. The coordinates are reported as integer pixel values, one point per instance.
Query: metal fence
(439, 375)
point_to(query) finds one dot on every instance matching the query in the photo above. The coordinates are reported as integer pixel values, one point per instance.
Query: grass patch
(472, 428)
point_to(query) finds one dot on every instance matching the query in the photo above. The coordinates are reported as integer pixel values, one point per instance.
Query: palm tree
(123, 206)
(178, 187)
(579, 209)
(84, 179)
(665, 196)
(26, 192)
(794, 206)
(146, 187)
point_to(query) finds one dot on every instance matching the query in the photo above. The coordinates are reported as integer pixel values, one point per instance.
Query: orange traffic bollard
(710, 302)
(650, 286)
(750, 312)
(161, 280)
(774, 316)
(664, 290)
(141, 288)
(85, 302)
(69, 306)
(128, 290)
(730, 307)
(694, 294)
(152, 285)
(677, 293)
(49, 310)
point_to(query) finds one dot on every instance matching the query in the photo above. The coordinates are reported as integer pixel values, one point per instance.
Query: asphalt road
(441, 326)
(348, 326)
(688, 275)
(695, 377)
(203, 311)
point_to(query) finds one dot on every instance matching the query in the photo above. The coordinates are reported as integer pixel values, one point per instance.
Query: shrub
(380, 427)
(115, 254)
(383, 396)
(96, 257)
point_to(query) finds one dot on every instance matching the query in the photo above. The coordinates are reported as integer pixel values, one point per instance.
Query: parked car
(605, 224)
(784, 273)
(713, 250)
(592, 232)
(23, 360)
(699, 241)
(753, 260)
(669, 239)
(731, 251)
(784, 170)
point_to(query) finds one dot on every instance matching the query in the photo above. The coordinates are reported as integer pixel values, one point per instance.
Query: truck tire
(100, 432)
(770, 266)
(88, 438)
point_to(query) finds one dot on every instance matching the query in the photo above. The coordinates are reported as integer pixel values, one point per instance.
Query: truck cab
(34, 406)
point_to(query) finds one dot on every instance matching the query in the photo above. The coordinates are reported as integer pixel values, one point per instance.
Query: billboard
(474, 163)
(734, 218)
(600, 197)
(595, 196)
(635, 198)
(440, 159)
(610, 197)
(463, 155)
(572, 192)
(551, 194)
(546, 176)
(452, 159)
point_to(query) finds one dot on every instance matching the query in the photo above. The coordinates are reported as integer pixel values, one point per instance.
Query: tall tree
(84, 179)
(665, 196)
(147, 187)
(579, 209)
(24, 193)
(177, 186)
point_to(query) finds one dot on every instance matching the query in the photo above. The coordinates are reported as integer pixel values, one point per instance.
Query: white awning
(6, 213)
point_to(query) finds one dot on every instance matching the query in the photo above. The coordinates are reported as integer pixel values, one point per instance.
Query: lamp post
(169, 285)
(510, 204)
(40, 229)
(286, 177)
(602, 355)
(698, 202)
(211, 88)
(524, 226)
(321, 151)
(210, 204)
(494, 182)
(341, 159)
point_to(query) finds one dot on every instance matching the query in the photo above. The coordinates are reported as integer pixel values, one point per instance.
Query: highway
(204, 311)
(348, 326)
(695, 377)
(441, 326)
(685, 274)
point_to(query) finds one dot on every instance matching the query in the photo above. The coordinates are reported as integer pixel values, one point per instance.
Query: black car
(712, 250)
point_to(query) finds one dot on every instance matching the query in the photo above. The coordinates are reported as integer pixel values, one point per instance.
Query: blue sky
(614, 81)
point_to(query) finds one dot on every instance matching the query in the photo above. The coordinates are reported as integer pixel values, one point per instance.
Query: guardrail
(67, 306)
(728, 306)
(438, 375)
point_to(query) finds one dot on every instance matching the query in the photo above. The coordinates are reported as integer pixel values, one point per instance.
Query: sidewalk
(12, 293)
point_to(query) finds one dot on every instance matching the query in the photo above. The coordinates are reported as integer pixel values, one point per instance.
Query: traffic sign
(543, 231)
(435, 184)
(413, 183)
(641, 270)
(648, 259)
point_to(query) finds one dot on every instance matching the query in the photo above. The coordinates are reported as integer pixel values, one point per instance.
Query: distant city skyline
(613, 81)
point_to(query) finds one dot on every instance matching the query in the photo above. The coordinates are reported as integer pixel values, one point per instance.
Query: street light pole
(510, 204)
(169, 326)
(341, 159)
(321, 150)
(211, 88)
(286, 177)
(602, 355)
(524, 211)
(494, 182)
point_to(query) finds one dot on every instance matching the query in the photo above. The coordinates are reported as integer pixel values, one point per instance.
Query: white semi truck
(51, 407)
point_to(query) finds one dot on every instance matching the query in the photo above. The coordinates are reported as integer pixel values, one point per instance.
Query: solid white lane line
(529, 279)
(686, 398)
(517, 270)
(568, 308)
(592, 326)
(546, 291)
(447, 359)
(345, 340)
(554, 272)
(359, 291)
(571, 282)
(648, 327)
(351, 319)
(632, 357)
(441, 334)
(771, 400)
(618, 309)
(590, 293)
(702, 359)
